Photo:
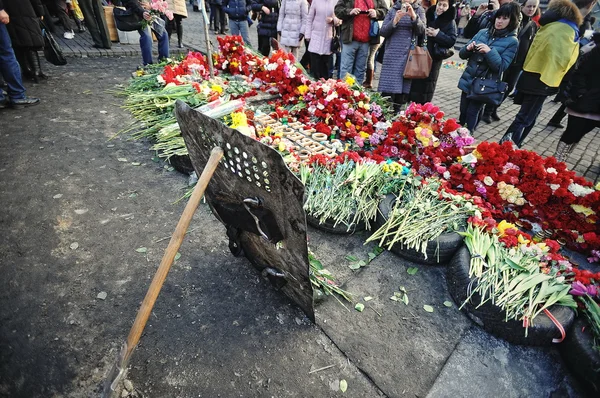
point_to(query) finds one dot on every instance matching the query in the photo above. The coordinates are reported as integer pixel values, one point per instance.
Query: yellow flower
(477, 154)
(361, 104)
(238, 119)
(217, 88)
(302, 89)
(350, 80)
(597, 186)
(281, 146)
(364, 135)
(503, 226)
(234, 64)
(141, 73)
(348, 123)
(522, 240)
(583, 210)
(278, 135)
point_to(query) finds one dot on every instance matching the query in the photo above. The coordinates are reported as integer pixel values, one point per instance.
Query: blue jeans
(470, 112)
(354, 60)
(9, 67)
(146, 45)
(526, 117)
(240, 28)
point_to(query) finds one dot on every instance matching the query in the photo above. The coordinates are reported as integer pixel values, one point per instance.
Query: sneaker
(24, 102)
(69, 35)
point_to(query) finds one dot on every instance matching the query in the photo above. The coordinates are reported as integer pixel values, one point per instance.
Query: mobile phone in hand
(490, 5)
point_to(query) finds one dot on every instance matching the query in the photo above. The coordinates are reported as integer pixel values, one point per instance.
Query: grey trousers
(93, 14)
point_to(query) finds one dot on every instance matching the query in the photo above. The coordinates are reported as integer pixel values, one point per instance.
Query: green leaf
(368, 298)
(343, 385)
(351, 258)
(412, 270)
(395, 298)
(177, 256)
(405, 299)
(428, 308)
(448, 304)
(372, 256)
(359, 307)
(141, 250)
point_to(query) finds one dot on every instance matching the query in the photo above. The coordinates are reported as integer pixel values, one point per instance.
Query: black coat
(24, 27)
(421, 90)
(583, 95)
(268, 23)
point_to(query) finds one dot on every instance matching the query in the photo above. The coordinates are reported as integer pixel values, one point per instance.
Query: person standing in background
(373, 47)
(583, 100)
(554, 50)
(9, 68)
(26, 35)
(179, 12)
(465, 16)
(526, 33)
(319, 32)
(356, 16)
(237, 11)
(441, 36)
(93, 15)
(403, 22)
(489, 53)
(140, 8)
(291, 24)
(267, 27)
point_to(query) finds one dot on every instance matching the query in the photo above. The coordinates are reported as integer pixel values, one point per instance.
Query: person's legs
(179, 27)
(464, 102)
(305, 61)
(101, 22)
(213, 17)
(347, 63)
(316, 67)
(244, 32)
(474, 109)
(536, 108)
(61, 13)
(530, 108)
(219, 19)
(163, 46)
(90, 21)
(264, 45)
(9, 68)
(557, 118)
(577, 127)
(146, 45)
(360, 62)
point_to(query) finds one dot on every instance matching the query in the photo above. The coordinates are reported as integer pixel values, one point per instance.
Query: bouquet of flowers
(156, 10)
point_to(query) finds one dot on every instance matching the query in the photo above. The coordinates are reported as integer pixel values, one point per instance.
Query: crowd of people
(513, 50)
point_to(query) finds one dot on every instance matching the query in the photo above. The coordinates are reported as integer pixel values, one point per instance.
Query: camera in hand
(490, 6)
(364, 12)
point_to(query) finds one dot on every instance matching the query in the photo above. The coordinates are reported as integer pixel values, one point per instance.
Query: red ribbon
(558, 325)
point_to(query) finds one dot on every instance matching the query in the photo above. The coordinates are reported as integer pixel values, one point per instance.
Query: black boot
(180, 35)
(487, 114)
(21, 55)
(36, 67)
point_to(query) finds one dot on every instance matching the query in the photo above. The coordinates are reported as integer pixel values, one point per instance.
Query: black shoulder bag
(52, 51)
(126, 20)
(488, 88)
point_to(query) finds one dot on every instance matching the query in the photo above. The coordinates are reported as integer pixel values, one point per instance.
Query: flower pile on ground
(521, 186)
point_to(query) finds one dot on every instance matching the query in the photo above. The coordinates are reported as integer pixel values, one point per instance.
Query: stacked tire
(439, 251)
(492, 319)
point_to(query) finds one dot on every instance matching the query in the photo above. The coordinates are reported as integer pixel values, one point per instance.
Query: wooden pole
(119, 369)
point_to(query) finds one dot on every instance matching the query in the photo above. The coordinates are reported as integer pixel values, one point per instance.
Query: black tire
(582, 360)
(439, 251)
(182, 164)
(339, 229)
(492, 318)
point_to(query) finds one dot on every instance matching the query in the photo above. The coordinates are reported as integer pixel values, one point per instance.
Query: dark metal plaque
(257, 198)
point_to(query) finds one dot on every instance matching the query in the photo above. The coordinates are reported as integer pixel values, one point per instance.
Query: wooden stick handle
(174, 244)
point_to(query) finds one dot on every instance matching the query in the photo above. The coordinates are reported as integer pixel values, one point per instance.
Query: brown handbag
(418, 64)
